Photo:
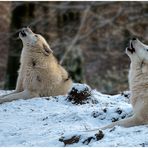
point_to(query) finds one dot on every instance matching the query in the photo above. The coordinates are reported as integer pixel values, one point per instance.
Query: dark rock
(99, 135)
(79, 96)
(72, 140)
(88, 140)
(105, 110)
(114, 119)
(119, 111)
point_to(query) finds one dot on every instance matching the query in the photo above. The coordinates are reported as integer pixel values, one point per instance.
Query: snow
(43, 121)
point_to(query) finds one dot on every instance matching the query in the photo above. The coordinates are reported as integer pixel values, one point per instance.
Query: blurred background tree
(88, 38)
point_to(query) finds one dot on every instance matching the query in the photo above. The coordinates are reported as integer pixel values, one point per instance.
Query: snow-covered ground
(43, 121)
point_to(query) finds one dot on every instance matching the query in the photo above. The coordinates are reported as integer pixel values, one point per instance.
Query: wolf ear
(47, 50)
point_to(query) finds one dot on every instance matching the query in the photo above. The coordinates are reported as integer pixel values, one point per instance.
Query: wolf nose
(23, 33)
(134, 39)
(23, 29)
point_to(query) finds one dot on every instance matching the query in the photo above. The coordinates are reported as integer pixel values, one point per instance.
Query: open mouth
(23, 33)
(131, 48)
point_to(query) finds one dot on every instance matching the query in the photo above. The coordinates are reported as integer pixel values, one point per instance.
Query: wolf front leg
(128, 122)
(19, 85)
(20, 95)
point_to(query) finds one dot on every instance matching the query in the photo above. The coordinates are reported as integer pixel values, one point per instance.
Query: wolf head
(138, 48)
(34, 42)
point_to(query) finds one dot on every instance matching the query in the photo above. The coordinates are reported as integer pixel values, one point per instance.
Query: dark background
(89, 38)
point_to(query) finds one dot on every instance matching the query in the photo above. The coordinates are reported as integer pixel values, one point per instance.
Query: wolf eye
(35, 35)
(146, 49)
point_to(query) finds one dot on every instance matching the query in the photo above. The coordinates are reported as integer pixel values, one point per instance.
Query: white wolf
(40, 74)
(138, 83)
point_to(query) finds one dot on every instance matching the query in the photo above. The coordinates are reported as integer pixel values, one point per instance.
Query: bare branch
(102, 24)
(77, 35)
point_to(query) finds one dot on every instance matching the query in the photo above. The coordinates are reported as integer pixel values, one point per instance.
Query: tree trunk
(21, 15)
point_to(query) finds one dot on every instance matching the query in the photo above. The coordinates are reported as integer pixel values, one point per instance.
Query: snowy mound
(64, 120)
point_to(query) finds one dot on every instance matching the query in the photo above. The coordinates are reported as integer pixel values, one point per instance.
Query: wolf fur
(138, 84)
(40, 74)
